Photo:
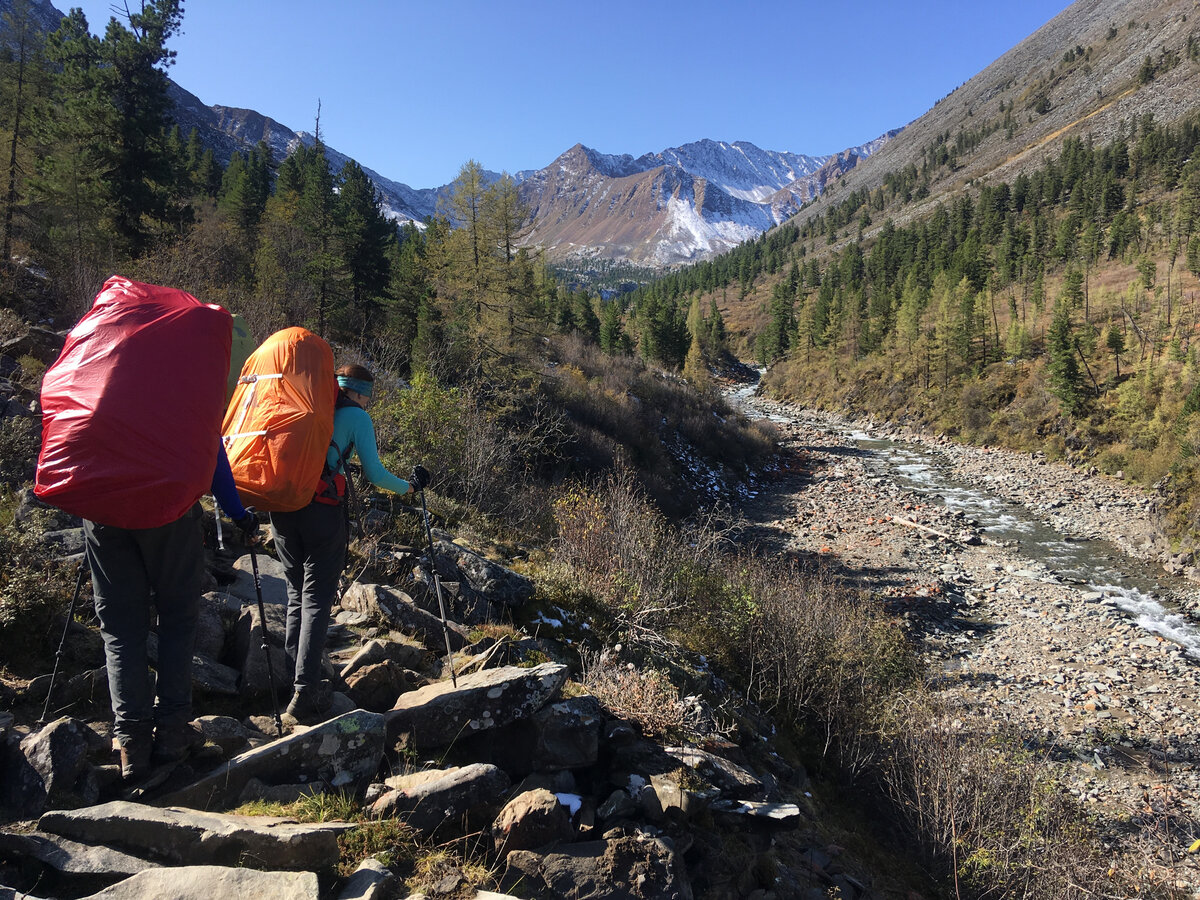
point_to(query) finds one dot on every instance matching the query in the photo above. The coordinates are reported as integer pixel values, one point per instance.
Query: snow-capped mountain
(659, 209)
(679, 205)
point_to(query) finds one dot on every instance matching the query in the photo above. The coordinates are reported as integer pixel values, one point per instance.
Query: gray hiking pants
(311, 543)
(132, 570)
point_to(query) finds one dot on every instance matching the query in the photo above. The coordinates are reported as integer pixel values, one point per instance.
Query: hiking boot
(173, 743)
(308, 708)
(135, 759)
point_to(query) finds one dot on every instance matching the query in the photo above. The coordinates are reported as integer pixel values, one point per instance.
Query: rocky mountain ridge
(691, 201)
(1088, 73)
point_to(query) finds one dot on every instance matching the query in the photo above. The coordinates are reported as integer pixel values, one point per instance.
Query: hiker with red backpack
(130, 442)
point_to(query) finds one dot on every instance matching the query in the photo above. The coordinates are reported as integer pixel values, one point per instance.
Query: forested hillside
(100, 180)
(1048, 306)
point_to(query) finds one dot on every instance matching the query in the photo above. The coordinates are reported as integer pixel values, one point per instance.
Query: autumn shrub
(820, 655)
(483, 449)
(643, 695)
(34, 592)
(990, 814)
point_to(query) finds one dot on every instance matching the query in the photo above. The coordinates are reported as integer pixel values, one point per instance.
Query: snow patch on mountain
(689, 236)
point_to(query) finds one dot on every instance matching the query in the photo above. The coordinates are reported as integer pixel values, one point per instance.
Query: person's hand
(248, 526)
(419, 478)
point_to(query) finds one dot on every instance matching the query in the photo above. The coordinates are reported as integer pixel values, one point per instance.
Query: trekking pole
(63, 642)
(262, 619)
(437, 585)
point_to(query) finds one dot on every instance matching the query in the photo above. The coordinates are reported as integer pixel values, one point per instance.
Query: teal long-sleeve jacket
(353, 428)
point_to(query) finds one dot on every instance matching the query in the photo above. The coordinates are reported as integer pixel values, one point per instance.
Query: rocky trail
(1018, 644)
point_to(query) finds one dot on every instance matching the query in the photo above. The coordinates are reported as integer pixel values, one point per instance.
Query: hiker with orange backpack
(311, 542)
(130, 442)
(290, 428)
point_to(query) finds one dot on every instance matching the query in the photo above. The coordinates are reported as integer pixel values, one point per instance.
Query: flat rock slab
(211, 882)
(71, 857)
(436, 715)
(427, 800)
(781, 815)
(732, 779)
(270, 576)
(193, 838)
(344, 752)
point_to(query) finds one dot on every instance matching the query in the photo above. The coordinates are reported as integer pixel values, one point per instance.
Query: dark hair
(357, 372)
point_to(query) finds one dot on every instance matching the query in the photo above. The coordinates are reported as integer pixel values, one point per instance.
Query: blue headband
(346, 383)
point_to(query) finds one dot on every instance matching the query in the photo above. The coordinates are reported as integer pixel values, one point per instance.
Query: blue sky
(415, 89)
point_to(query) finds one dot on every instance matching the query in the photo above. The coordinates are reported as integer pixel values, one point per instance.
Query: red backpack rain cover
(131, 411)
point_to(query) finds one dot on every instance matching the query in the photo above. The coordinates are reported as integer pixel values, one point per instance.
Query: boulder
(731, 779)
(42, 344)
(376, 687)
(246, 652)
(72, 858)
(436, 715)
(568, 734)
(372, 880)
(344, 752)
(51, 769)
(270, 576)
(634, 867)
(530, 820)
(228, 733)
(397, 610)
(494, 581)
(214, 679)
(190, 837)
(377, 651)
(427, 800)
(210, 627)
(207, 882)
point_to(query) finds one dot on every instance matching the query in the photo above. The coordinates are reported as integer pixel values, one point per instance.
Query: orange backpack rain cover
(280, 421)
(131, 410)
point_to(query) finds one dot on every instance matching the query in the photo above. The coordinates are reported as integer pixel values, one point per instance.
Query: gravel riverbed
(1016, 645)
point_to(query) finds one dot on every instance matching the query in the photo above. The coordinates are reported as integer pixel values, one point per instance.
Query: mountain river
(1090, 566)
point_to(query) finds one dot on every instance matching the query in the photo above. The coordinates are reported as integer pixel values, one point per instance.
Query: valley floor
(1016, 646)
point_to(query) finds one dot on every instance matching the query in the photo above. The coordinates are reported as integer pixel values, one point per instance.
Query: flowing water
(1092, 566)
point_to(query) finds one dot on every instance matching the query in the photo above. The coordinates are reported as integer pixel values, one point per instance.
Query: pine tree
(21, 82)
(364, 235)
(1066, 381)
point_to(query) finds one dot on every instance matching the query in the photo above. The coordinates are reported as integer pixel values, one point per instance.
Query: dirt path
(1019, 648)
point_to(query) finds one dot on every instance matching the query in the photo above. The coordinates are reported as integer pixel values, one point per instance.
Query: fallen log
(908, 523)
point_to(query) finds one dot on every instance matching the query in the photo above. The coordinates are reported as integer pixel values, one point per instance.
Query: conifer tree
(21, 83)
(364, 235)
(1066, 381)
